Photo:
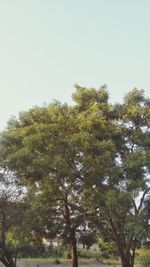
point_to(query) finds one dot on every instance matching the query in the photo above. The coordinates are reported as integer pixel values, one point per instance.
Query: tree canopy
(86, 162)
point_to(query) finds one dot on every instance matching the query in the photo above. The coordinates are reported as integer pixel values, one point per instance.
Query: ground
(82, 263)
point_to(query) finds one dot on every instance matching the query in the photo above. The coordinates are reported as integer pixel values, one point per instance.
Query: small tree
(10, 215)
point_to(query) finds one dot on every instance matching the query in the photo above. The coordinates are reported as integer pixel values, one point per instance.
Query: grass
(41, 260)
(112, 261)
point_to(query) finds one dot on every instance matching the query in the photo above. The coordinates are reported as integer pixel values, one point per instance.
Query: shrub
(144, 257)
(89, 254)
(107, 249)
(57, 261)
(83, 253)
(96, 254)
(36, 250)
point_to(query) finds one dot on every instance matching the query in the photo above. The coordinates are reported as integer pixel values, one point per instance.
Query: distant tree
(88, 238)
(10, 217)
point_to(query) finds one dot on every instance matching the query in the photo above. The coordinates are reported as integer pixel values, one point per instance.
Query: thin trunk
(16, 254)
(133, 255)
(3, 231)
(74, 253)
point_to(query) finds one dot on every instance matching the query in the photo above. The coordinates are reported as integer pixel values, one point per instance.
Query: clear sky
(46, 46)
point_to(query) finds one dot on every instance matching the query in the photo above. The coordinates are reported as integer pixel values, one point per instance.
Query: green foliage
(57, 261)
(34, 250)
(81, 163)
(90, 254)
(83, 253)
(85, 97)
(88, 239)
(107, 249)
(144, 257)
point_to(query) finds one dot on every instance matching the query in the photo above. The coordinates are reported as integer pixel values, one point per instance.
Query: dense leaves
(84, 163)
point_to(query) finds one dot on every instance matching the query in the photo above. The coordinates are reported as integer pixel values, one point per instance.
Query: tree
(10, 216)
(86, 162)
(44, 154)
(119, 208)
(45, 147)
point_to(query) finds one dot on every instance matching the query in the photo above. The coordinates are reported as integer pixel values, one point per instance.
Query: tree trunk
(74, 253)
(73, 241)
(7, 260)
(127, 260)
(5, 257)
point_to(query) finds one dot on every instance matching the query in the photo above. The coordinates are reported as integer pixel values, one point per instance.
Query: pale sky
(46, 46)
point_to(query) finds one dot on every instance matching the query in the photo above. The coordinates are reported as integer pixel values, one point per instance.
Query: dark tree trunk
(7, 260)
(73, 241)
(133, 256)
(124, 248)
(74, 253)
(127, 260)
(6, 256)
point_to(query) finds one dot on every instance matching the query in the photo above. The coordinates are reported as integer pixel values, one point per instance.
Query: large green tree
(41, 155)
(86, 162)
(52, 148)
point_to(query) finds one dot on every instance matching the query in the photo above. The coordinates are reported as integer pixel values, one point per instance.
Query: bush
(107, 249)
(96, 254)
(57, 261)
(144, 257)
(146, 244)
(32, 251)
(82, 253)
(37, 251)
(89, 254)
